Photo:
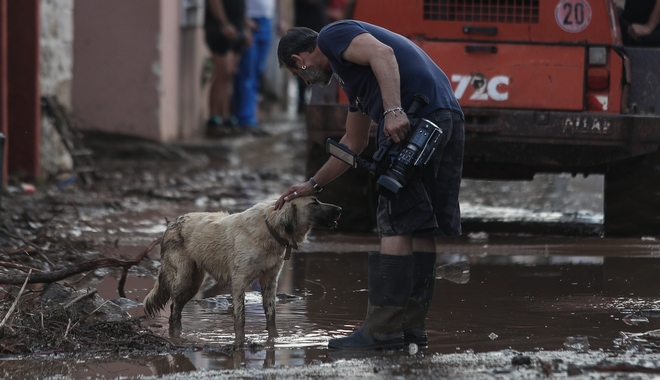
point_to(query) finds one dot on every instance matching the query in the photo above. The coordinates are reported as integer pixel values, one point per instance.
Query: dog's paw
(238, 342)
(174, 333)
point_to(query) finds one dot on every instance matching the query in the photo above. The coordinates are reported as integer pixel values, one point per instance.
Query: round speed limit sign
(573, 15)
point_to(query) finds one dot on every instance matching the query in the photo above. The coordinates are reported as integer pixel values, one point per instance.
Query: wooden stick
(82, 296)
(36, 247)
(61, 274)
(122, 282)
(19, 266)
(67, 329)
(124, 273)
(13, 306)
(95, 310)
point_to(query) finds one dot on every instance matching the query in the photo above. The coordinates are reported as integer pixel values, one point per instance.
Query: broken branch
(47, 277)
(19, 266)
(13, 306)
(80, 297)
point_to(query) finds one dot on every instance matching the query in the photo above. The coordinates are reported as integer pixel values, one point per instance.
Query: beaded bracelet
(393, 110)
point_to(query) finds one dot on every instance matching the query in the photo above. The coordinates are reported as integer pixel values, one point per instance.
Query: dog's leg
(268, 282)
(238, 286)
(175, 318)
(189, 278)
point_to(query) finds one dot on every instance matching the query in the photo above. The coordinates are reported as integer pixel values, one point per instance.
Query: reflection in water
(530, 295)
(172, 364)
(527, 302)
(457, 272)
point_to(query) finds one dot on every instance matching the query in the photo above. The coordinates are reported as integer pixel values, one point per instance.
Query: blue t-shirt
(418, 72)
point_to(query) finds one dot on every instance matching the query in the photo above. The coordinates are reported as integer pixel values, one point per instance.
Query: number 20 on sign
(573, 15)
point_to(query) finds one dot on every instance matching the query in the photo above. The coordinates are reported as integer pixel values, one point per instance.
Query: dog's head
(304, 213)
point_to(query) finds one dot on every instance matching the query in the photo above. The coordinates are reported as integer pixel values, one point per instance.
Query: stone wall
(56, 75)
(57, 48)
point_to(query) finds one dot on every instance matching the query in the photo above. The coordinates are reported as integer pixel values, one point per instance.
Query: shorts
(428, 204)
(217, 42)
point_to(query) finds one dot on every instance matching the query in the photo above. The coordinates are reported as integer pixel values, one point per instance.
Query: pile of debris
(61, 320)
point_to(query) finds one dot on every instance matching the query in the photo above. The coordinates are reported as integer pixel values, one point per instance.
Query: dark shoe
(219, 131)
(415, 332)
(253, 130)
(231, 122)
(214, 121)
(390, 280)
(423, 286)
(215, 127)
(257, 131)
(380, 330)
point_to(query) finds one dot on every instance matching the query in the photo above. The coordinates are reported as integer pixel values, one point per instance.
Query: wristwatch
(315, 185)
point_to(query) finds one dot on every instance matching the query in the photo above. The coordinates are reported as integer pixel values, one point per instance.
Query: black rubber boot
(390, 282)
(421, 295)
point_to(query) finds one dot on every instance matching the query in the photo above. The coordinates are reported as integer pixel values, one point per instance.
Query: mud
(530, 290)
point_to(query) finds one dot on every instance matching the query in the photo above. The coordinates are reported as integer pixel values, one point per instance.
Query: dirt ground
(41, 231)
(52, 231)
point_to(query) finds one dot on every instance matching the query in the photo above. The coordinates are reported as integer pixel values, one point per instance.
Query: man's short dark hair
(295, 41)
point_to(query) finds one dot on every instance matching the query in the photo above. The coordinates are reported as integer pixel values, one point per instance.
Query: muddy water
(521, 293)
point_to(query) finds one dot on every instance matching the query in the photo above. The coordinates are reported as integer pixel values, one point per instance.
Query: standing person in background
(338, 9)
(252, 66)
(310, 14)
(640, 22)
(226, 35)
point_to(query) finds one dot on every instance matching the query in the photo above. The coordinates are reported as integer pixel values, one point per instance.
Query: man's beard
(315, 75)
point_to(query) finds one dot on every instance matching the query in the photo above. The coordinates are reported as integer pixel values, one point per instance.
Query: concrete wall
(139, 68)
(123, 54)
(57, 48)
(193, 89)
(170, 58)
(56, 67)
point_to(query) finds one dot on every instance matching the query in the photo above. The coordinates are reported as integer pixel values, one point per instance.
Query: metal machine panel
(512, 76)
(538, 21)
(644, 80)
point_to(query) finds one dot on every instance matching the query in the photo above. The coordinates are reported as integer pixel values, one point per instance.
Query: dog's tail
(158, 296)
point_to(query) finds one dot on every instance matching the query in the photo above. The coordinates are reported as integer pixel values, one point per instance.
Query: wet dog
(235, 249)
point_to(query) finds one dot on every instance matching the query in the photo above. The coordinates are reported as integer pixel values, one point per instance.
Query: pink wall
(194, 93)
(125, 67)
(170, 58)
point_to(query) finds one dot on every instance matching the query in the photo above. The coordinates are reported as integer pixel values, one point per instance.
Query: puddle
(525, 294)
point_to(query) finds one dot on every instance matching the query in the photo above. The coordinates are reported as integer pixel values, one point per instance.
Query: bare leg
(405, 245)
(424, 244)
(396, 245)
(221, 89)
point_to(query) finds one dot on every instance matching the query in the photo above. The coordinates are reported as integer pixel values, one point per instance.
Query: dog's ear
(291, 220)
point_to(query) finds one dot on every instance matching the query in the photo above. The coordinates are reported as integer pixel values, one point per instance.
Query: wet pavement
(508, 296)
(510, 302)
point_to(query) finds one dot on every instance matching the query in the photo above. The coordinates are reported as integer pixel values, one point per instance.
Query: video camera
(393, 164)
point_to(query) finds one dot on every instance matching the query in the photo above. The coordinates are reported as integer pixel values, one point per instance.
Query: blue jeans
(250, 71)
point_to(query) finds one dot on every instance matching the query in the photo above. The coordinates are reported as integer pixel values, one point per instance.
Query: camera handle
(343, 153)
(419, 102)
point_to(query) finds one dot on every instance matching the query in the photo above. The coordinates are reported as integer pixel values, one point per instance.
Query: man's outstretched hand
(295, 191)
